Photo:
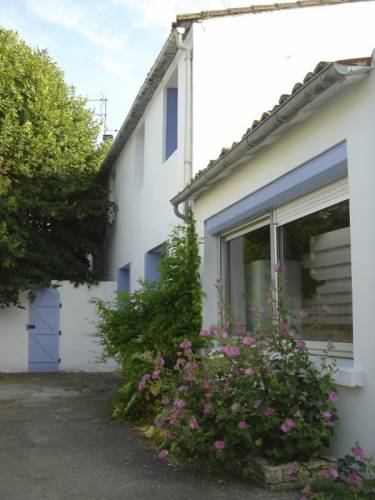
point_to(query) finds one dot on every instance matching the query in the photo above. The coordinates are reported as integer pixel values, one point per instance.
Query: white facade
(234, 63)
(240, 66)
(348, 117)
(78, 347)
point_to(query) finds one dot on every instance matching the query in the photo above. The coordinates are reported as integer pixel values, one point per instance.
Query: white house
(268, 197)
(217, 69)
(298, 191)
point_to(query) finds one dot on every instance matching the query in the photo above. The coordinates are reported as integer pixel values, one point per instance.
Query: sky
(104, 47)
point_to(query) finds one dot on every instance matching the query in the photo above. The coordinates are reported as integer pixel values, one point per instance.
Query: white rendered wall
(79, 349)
(14, 338)
(351, 117)
(242, 64)
(145, 216)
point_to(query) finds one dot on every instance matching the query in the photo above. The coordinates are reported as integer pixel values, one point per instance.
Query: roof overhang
(301, 104)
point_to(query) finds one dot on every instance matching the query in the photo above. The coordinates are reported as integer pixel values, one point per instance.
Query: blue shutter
(171, 122)
(123, 279)
(152, 264)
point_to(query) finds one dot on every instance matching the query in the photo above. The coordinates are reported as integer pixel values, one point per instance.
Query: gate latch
(30, 327)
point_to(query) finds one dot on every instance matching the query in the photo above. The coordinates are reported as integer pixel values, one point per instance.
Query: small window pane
(316, 268)
(249, 274)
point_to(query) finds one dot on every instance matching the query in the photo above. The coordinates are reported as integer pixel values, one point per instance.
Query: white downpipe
(188, 121)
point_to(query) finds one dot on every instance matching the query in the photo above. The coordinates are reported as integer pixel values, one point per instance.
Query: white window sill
(350, 377)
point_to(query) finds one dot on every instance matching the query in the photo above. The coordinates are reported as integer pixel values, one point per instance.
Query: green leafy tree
(52, 201)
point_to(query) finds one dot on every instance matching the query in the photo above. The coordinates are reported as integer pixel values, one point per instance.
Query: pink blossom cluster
(288, 425)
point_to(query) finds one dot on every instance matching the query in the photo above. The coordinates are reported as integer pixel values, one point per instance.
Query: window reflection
(249, 276)
(316, 266)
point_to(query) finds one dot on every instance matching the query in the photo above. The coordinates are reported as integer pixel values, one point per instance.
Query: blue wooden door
(44, 323)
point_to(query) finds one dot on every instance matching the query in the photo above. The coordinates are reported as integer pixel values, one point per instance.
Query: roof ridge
(255, 9)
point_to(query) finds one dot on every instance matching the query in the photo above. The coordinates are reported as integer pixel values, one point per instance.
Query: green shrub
(152, 320)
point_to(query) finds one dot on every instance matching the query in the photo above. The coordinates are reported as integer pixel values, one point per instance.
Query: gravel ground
(57, 443)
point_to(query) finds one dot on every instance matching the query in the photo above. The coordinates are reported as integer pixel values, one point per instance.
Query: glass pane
(249, 273)
(316, 268)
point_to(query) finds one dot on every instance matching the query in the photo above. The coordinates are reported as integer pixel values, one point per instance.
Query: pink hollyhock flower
(327, 415)
(358, 453)
(179, 403)
(208, 384)
(184, 388)
(270, 412)
(141, 385)
(219, 445)
(334, 396)
(249, 372)
(207, 409)
(297, 414)
(204, 333)
(224, 335)
(235, 408)
(258, 402)
(353, 477)
(230, 351)
(155, 375)
(241, 330)
(283, 325)
(301, 345)
(242, 425)
(185, 345)
(193, 424)
(165, 401)
(330, 474)
(291, 335)
(159, 361)
(248, 341)
(163, 454)
(275, 314)
(189, 377)
(288, 425)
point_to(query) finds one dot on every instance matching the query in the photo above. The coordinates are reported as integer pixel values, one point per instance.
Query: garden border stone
(278, 477)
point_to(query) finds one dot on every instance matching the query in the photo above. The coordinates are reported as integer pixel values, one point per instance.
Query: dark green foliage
(52, 202)
(153, 320)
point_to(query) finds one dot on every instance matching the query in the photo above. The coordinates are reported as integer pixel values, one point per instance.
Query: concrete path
(57, 443)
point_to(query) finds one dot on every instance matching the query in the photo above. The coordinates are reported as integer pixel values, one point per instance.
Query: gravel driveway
(57, 443)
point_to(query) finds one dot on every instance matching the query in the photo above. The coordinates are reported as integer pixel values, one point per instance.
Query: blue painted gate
(44, 323)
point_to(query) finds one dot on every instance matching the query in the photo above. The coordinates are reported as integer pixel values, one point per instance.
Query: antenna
(102, 114)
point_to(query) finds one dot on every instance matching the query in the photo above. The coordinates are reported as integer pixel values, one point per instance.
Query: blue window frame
(171, 121)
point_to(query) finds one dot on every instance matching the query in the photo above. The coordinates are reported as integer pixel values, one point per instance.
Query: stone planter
(276, 477)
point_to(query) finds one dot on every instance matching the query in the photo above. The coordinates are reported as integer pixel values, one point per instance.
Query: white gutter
(188, 122)
(270, 129)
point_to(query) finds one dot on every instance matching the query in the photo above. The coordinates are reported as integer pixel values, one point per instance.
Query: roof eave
(142, 100)
(270, 129)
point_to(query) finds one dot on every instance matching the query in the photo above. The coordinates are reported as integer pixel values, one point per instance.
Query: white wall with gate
(78, 346)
